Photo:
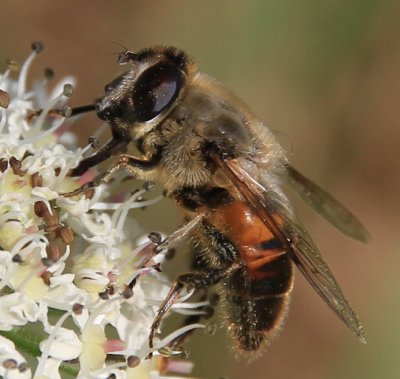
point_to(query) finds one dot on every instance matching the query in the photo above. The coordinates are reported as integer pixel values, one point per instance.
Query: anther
(48, 73)
(155, 237)
(23, 367)
(36, 180)
(47, 262)
(66, 111)
(10, 364)
(37, 47)
(39, 207)
(127, 293)
(46, 276)
(3, 165)
(133, 361)
(77, 308)
(68, 89)
(17, 258)
(16, 166)
(104, 295)
(4, 99)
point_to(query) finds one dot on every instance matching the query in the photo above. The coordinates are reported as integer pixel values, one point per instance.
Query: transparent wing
(280, 219)
(327, 206)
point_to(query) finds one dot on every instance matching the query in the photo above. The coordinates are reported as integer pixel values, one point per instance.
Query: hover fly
(224, 169)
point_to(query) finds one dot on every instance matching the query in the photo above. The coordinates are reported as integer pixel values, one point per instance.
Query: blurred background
(325, 75)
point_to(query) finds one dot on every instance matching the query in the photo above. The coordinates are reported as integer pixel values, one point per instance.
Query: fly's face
(142, 97)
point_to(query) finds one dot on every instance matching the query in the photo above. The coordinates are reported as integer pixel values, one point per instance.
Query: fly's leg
(137, 168)
(112, 147)
(196, 280)
(174, 238)
(169, 242)
(198, 264)
(61, 112)
(227, 256)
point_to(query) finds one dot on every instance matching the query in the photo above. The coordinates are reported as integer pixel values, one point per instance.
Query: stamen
(176, 334)
(47, 346)
(189, 312)
(67, 90)
(189, 305)
(119, 217)
(12, 215)
(183, 298)
(8, 276)
(5, 76)
(47, 132)
(3, 119)
(28, 239)
(112, 206)
(72, 162)
(97, 312)
(24, 71)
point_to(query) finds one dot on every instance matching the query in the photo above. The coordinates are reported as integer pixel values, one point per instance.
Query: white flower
(66, 262)
(12, 363)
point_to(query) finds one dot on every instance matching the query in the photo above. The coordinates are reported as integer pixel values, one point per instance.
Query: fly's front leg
(137, 168)
(197, 280)
(113, 147)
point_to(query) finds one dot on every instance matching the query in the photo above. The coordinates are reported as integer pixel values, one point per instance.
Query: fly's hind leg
(196, 280)
(227, 257)
(205, 312)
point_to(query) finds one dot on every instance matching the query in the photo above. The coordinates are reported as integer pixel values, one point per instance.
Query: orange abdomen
(256, 244)
(256, 295)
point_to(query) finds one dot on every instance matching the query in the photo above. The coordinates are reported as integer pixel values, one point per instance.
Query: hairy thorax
(199, 123)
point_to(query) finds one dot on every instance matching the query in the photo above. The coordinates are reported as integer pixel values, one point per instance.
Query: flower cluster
(67, 264)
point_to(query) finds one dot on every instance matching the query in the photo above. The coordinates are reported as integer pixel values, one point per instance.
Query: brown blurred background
(326, 76)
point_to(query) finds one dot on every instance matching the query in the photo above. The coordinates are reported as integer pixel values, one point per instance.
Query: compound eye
(155, 90)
